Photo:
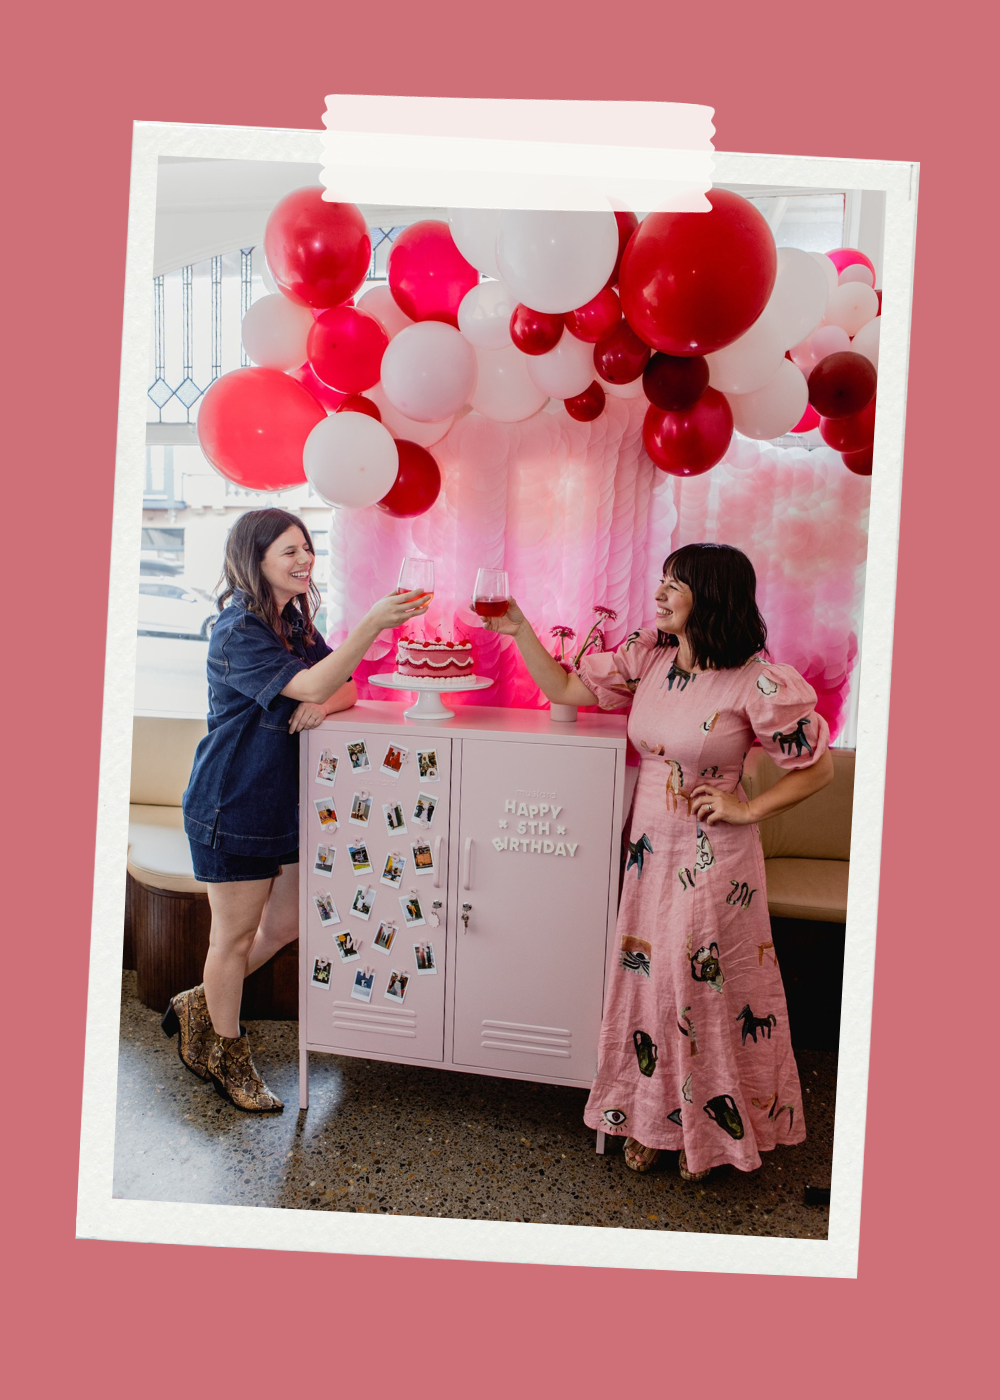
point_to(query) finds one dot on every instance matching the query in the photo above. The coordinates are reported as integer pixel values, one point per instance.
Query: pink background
(847, 80)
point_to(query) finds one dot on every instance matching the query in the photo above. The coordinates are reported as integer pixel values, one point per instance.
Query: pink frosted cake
(435, 660)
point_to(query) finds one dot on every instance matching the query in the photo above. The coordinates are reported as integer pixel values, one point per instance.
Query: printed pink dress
(694, 1050)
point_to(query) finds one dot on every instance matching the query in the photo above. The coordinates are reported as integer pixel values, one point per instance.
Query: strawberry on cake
(435, 660)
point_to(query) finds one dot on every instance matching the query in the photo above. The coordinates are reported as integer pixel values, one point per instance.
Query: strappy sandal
(682, 1167)
(639, 1158)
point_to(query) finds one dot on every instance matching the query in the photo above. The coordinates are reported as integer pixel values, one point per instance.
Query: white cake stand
(428, 693)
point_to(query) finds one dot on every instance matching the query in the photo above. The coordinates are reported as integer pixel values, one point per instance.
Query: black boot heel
(170, 1024)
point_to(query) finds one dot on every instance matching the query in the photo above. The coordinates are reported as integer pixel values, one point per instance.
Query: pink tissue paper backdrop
(856, 80)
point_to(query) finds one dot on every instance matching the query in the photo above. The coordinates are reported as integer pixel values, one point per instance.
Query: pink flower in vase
(564, 634)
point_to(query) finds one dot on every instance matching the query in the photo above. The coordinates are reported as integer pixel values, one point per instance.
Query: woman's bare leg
(279, 923)
(237, 909)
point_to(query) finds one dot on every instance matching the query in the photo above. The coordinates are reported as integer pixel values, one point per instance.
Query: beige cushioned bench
(162, 754)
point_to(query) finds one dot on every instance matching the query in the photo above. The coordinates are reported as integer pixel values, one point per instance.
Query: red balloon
(345, 348)
(692, 283)
(842, 384)
(417, 484)
(318, 251)
(859, 462)
(878, 293)
(848, 257)
(331, 399)
(675, 382)
(597, 319)
(535, 332)
(587, 406)
(849, 434)
(253, 424)
(627, 225)
(428, 276)
(621, 356)
(808, 421)
(357, 403)
(689, 443)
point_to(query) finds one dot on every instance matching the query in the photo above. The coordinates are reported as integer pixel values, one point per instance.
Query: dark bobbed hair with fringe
(725, 628)
(249, 540)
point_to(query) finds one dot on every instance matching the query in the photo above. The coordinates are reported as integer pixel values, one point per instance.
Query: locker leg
(303, 1080)
(601, 1137)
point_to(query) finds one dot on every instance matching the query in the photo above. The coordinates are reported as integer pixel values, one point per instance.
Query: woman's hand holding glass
(397, 609)
(510, 624)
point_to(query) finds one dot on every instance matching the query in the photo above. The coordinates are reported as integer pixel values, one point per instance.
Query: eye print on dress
(675, 1117)
(614, 1117)
(635, 955)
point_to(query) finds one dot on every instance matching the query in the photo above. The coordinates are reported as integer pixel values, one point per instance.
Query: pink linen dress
(694, 1050)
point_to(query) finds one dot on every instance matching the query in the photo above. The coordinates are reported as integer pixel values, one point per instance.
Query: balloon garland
(698, 314)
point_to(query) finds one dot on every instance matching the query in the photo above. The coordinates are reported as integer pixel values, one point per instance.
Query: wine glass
(490, 596)
(417, 574)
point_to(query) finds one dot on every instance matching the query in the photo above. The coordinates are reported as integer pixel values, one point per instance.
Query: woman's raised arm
(558, 686)
(316, 684)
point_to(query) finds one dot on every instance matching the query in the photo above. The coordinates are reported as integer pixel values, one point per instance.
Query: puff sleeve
(781, 707)
(614, 675)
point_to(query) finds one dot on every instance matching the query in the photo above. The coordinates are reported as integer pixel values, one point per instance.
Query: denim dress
(243, 793)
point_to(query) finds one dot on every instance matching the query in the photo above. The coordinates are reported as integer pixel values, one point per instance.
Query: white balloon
(632, 390)
(750, 361)
(380, 303)
(800, 294)
(565, 370)
(504, 391)
(556, 260)
(773, 409)
(475, 235)
(350, 460)
(829, 271)
(484, 316)
(867, 340)
(825, 340)
(851, 306)
(428, 371)
(857, 272)
(265, 272)
(424, 434)
(275, 331)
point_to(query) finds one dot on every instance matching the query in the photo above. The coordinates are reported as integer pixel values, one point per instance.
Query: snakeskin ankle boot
(235, 1077)
(187, 1017)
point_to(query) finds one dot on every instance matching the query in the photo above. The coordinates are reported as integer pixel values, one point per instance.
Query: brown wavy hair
(725, 627)
(249, 540)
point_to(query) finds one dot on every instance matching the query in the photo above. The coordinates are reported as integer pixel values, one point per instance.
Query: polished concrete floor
(406, 1141)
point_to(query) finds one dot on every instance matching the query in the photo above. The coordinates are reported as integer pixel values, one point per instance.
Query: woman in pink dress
(695, 1055)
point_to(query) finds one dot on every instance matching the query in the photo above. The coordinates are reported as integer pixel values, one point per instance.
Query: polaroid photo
(385, 937)
(326, 768)
(348, 946)
(427, 766)
(361, 809)
(423, 812)
(364, 982)
(395, 821)
(327, 813)
(426, 962)
(325, 857)
(360, 860)
(396, 990)
(363, 902)
(395, 757)
(322, 968)
(357, 754)
(326, 909)
(413, 914)
(423, 858)
(393, 873)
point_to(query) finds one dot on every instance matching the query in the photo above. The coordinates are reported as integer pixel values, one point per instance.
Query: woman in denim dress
(270, 676)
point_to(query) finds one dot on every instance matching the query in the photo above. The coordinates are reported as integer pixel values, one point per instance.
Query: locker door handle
(437, 863)
(467, 864)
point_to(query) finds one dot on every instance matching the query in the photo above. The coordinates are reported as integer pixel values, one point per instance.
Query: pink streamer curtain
(578, 515)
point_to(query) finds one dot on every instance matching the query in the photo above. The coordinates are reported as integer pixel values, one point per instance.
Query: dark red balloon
(692, 283)
(675, 382)
(253, 424)
(428, 276)
(345, 348)
(357, 403)
(535, 332)
(322, 393)
(808, 421)
(878, 293)
(627, 225)
(859, 462)
(621, 356)
(417, 484)
(587, 406)
(318, 251)
(689, 443)
(842, 384)
(849, 434)
(597, 319)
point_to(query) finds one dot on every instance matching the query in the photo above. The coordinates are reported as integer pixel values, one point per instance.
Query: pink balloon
(808, 421)
(345, 348)
(428, 276)
(331, 399)
(825, 340)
